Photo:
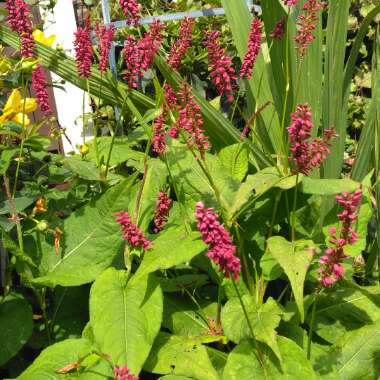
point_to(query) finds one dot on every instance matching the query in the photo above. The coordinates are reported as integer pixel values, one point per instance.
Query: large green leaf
(92, 239)
(235, 159)
(63, 354)
(125, 317)
(357, 353)
(345, 309)
(174, 246)
(191, 182)
(264, 319)
(180, 355)
(243, 363)
(16, 321)
(328, 186)
(294, 258)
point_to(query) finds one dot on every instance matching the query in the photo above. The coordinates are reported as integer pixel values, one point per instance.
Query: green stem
(275, 208)
(219, 306)
(294, 210)
(42, 301)
(311, 327)
(95, 130)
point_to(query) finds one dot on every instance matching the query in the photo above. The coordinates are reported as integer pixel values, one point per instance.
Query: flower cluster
(105, 36)
(20, 22)
(278, 31)
(190, 120)
(221, 248)
(131, 233)
(331, 269)
(158, 140)
(163, 205)
(290, 3)
(307, 154)
(83, 49)
(131, 10)
(180, 47)
(307, 23)
(222, 72)
(254, 45)
(39, 85)
(139, 54)
(123, 373)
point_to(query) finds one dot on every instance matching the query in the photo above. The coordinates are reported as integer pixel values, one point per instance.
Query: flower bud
(42, 225)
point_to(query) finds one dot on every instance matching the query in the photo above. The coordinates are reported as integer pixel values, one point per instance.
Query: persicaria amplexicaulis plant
(180, 47)
(290, 3)
(254, 45)
(161, 215)
(131, 10)
(123, 373)
(221, 248)
(306, 25)
(222, 72)
(278, 31)
(105, 37)
(39, 85)
(83, 49)
(331, 269)
(19, 21)
(131, 233)
(306, 153)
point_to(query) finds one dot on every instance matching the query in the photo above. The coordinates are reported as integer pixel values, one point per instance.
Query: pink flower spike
(83, 49)
(158, 140)
(221, 248)
(290, 3)
(163, 205)
(105, 37)
(19, 21)
(131, 233)
(131, 10)
(123, 373)
(180, 47)
(278, 31)
(222, 71)
(254, 45)
(39, 85)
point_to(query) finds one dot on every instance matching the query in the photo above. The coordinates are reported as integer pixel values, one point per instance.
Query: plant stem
(42, 301)
(95, 129)
(219, 307)
(294, 210)
(311, 327)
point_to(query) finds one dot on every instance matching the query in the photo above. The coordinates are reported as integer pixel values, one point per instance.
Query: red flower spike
(181, 46)
(223, 74)
(163, 205)
(19, 21)
(221, 248)
(278, 31)
(123, 373)
(105, 37)
(331, 269)
(39, 85)
(131, 233)
(131, 10)
(254, 45)
(83, 49)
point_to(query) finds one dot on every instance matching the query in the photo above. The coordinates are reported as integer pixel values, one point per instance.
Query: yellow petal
(39, 36)
(22, 119)
(30, 105)
(13, 103)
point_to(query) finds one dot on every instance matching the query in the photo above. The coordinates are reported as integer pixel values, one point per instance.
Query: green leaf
(191, 182)
(183, 317)
(20, 204)
(125, 317)
(328, 186)
(6, 159)
(92, 239)
(235, 159)
(264, 320)
(174, 246)
(243, 363)
(16, 321)
(62, 354)
(345, 309)
(82, 169)
(180, 355)
(357, 353)
(294, 258)
(174, 377)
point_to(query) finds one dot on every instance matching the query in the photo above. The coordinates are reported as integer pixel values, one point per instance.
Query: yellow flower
(16, 109)
(39, 36)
